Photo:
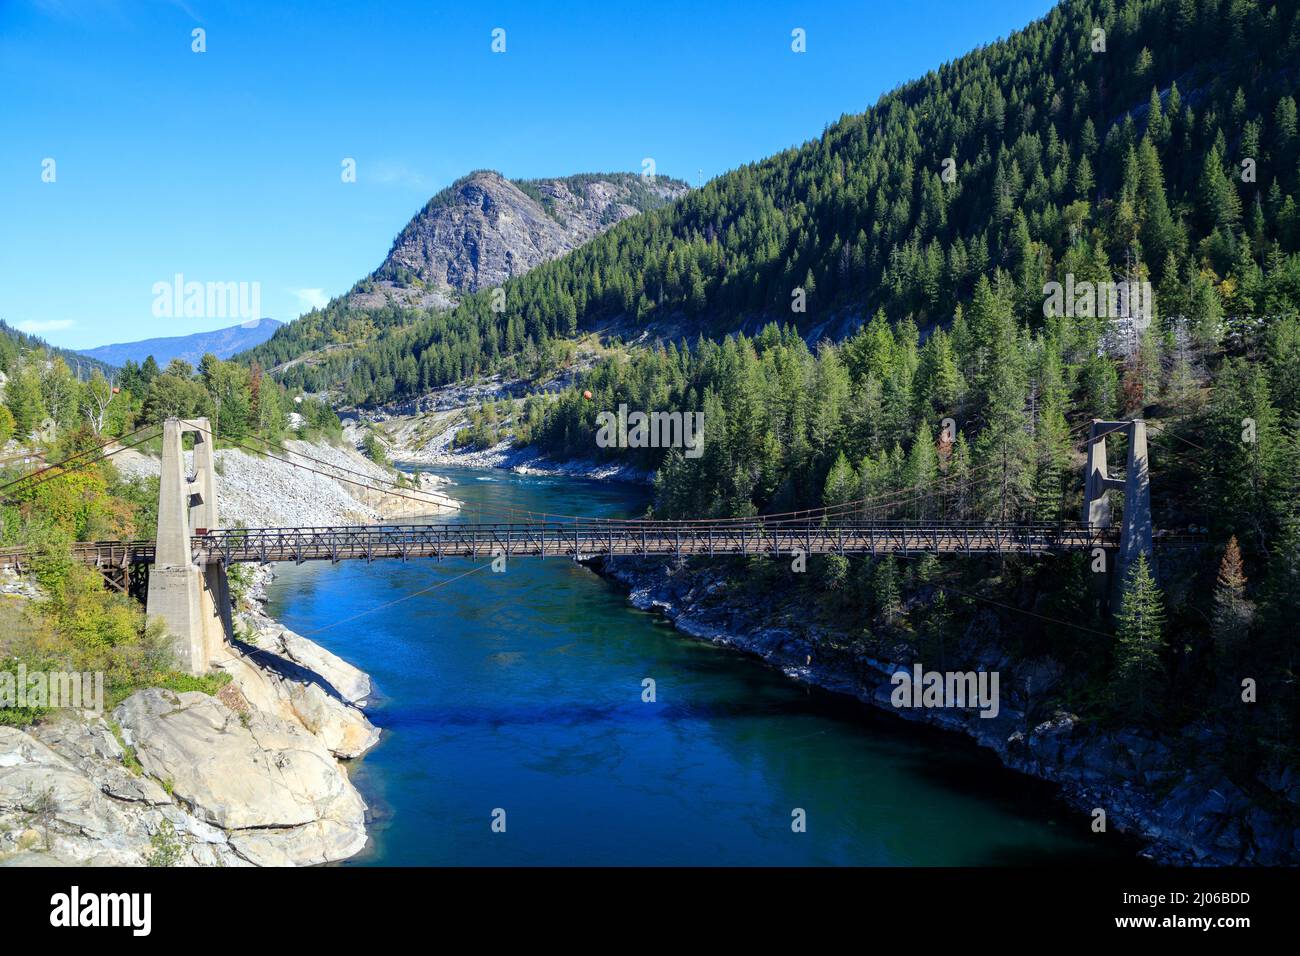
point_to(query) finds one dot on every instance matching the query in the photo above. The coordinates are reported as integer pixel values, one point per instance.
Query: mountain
(485, 229)
(477, 233)
(223, 343)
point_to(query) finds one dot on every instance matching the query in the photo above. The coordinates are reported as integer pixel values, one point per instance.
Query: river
(522, 692)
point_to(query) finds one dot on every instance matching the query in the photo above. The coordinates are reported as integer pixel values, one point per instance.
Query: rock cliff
(484, 229)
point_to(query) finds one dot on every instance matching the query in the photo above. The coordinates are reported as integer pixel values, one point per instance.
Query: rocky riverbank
(526, 460)
(426, 438)
(255, 775)
(1168, 792)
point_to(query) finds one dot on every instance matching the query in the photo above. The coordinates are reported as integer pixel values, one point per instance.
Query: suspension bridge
(182, 572)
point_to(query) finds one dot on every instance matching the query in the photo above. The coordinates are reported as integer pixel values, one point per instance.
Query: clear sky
(225, 166)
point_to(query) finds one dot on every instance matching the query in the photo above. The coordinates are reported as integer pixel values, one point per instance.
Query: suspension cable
(81, 454)
(67, 471)
(878, 502)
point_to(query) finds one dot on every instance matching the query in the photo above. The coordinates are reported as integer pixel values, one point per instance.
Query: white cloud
(390, 173)
(50, 325)
(309, 299)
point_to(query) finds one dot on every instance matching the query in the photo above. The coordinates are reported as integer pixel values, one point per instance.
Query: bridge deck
(593, 539)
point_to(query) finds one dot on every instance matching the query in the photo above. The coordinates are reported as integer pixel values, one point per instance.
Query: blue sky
(224, 166)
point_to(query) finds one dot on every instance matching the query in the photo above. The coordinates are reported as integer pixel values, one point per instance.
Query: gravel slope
(262, 492)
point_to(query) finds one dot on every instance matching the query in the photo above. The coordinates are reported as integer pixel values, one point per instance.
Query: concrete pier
(1135, 532)
(192, 602)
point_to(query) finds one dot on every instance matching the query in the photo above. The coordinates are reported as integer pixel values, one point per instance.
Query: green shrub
(374, 449)
(165, 848)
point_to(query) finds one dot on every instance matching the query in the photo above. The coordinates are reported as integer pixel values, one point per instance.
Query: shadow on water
(958, 764)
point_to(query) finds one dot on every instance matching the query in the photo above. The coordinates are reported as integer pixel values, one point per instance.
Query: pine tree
(1244, 470)
(1139, 669)
(1283, 356)
(1084, 181)
(1181, 394)
(957, 488)
(921, 472)
(938, 384)
(1218, 202)
(1049, 484)
(1159, 233)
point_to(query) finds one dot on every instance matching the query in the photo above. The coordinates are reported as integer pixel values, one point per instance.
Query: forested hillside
(14, 342)
(47, 404)
(1066, 159)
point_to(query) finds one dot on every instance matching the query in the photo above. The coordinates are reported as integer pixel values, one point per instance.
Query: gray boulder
(249, 771)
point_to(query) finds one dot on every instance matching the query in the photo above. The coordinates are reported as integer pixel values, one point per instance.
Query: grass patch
(179, 682)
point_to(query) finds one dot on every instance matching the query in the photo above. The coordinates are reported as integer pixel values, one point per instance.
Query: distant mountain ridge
(223, 343)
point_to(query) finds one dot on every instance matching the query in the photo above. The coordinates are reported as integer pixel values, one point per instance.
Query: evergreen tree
(921, 473)
(1283, 356)
(1139, 641)
(938, 384)
(1217, 200)
(1246, 455)
(886, 593)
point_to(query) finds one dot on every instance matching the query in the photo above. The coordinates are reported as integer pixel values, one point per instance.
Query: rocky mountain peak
(484, 229)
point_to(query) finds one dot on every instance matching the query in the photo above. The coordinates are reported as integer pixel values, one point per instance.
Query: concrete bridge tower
(1135, 535)
(192, 602)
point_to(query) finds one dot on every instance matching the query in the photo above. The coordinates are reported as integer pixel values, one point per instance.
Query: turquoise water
(522, 692)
